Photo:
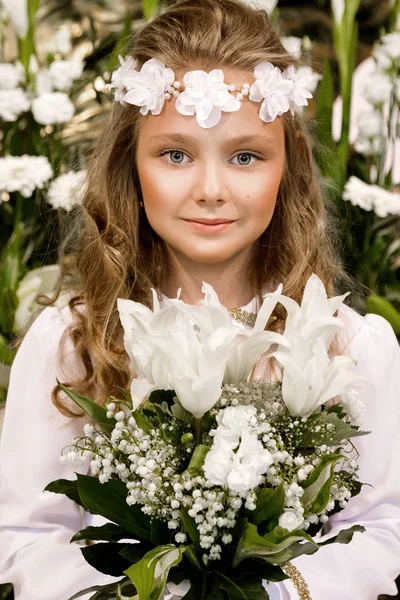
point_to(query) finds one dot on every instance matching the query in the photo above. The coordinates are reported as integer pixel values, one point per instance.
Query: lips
(210, 221)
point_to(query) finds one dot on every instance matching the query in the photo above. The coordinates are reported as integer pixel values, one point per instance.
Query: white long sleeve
(36, 526)
(368, 566)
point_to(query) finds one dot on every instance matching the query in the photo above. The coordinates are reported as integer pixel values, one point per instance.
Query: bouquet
(211, 482)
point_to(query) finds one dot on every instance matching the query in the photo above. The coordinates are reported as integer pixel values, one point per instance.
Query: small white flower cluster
(67, 190)
(24, 173)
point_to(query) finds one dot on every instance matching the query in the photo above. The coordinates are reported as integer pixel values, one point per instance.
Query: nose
(211, 182)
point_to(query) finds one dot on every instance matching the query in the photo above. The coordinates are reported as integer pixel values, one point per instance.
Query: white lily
(191, 349)
(310, 377)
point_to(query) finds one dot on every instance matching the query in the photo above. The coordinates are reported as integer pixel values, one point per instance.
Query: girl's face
(230, 172)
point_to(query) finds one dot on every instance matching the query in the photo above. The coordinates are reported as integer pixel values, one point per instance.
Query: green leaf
(67, 487)
(159, 533)
(253, 568)
(271, 547)
(198, 457)
(102, 592)
(381, 306)
(344, 536)
(240, 589)
(158, 561)
(96, 412)
(191, 555)
(149, 7)
(106, 557)
(142, 422)
(270, 503)
(317, 486)
(340, 431)
(190, 527)
(107, 533)
(109, 500)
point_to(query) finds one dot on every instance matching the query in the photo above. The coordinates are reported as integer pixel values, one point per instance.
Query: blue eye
(249, 155)
(175, 155)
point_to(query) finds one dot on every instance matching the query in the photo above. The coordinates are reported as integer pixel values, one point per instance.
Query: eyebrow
(182, 138)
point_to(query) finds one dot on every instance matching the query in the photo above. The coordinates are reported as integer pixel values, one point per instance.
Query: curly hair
(118, 254)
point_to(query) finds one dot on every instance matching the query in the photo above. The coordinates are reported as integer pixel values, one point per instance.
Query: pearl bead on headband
(206, 95)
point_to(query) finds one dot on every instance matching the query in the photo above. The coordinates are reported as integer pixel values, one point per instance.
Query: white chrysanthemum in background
(11, 75)
(370, 130)
(370, 124)
(267, 5)
(391, 44)
(13, 103)
(293, 45)
(67, 190)
(64, 72)
(24, 173)
(369, 146)
(371, 197)
(377, 88)
(36, 283)
(52, 108)
(60, 42)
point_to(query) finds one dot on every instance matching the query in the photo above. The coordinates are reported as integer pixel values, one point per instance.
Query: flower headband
(205, 94)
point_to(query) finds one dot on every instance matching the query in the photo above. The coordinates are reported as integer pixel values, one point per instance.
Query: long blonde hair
(118, 254)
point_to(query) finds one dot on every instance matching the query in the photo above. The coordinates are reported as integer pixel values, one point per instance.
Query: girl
(194, 181)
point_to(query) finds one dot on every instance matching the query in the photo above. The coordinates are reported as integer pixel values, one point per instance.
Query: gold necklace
(243, 316)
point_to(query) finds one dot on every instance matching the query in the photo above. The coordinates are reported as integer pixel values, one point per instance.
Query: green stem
(197, 428)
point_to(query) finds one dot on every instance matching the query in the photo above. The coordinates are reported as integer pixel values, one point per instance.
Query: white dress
(36, 526)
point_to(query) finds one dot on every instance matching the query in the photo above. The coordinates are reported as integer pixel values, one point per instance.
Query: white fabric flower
(304, 81)
(11, 75)
(13, 103)
(206, 95)
(24, 173)
(51, 108)
(292, 45)
(64, 72)
(272, 89)
(371, 197)
(290, 519)
(145, 88)
(67, 190)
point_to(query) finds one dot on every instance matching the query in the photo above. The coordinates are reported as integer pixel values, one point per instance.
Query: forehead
(243, 122)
